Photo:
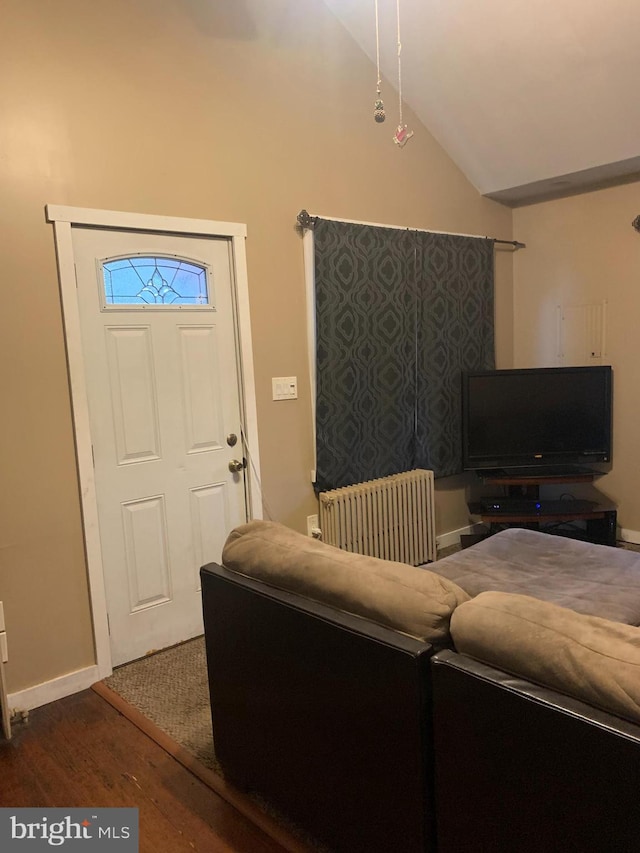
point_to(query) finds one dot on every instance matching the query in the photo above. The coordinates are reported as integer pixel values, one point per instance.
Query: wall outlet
(312, 525)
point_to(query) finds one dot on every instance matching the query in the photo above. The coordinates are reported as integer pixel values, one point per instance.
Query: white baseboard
(57, 688)
(445, 540)
(632, 536)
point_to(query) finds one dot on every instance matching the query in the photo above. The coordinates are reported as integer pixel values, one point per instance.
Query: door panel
(144, 524)
(162, 388)
(133, 393)
(204, 424)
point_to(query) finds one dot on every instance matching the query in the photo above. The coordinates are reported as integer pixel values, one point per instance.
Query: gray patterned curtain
(455, 332)
(399, 315)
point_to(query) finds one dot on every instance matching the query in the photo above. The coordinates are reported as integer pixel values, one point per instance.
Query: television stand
(536, 473)
(592, 521)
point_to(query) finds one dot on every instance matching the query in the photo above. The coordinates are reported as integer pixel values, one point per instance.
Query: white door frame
(63, 218)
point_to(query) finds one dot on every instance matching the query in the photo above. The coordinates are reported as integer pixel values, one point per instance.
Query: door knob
(236, 465)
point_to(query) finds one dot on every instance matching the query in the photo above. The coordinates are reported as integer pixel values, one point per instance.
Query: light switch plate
(285, 387)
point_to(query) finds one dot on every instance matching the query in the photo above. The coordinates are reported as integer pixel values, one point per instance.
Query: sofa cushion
(412, 600)
(587, 657)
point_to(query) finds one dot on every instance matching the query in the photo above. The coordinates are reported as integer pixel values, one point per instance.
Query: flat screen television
(535, 417)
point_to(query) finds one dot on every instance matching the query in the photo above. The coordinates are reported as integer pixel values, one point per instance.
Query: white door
(160, 360)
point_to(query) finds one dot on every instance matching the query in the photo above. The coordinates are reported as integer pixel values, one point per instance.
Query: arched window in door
(155, 280)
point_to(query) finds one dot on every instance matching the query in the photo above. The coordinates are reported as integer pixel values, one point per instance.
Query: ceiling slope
(530, 98)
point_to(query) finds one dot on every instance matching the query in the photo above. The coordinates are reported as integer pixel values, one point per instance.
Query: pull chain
(378, 112)
(402, 135)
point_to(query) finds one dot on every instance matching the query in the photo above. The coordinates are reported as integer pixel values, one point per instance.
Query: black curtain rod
(305, 220)
(515, 243)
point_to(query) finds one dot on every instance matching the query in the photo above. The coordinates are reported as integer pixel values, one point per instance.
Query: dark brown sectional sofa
(383, 707)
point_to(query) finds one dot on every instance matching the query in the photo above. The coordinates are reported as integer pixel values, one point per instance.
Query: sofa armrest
(323, 713)
(523, 767)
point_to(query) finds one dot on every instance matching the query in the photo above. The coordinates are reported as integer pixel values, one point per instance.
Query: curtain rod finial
(305, 220)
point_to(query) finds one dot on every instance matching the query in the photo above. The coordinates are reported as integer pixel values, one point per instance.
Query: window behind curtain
(399, 315)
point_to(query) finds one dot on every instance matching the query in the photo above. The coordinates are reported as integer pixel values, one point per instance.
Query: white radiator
(392, 518)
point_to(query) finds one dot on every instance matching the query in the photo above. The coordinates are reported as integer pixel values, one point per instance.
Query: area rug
(170, 688)
(166, 695)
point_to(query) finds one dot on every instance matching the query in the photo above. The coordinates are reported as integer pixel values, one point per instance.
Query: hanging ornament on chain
(378, 111)
(402, 135)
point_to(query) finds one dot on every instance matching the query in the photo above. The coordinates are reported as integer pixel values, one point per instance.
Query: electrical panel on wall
(582, 334)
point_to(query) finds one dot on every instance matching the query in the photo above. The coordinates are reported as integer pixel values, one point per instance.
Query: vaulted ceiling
(531, 98)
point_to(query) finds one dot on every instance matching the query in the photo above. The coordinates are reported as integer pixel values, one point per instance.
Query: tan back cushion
(587, 657)
(411, 600)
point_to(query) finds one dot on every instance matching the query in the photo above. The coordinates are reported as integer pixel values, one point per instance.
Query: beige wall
(582, 250)
(180, 109)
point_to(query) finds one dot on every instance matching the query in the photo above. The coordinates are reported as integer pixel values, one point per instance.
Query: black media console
(522, 506)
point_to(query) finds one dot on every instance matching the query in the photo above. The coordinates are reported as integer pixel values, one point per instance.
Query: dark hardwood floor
(80, 752)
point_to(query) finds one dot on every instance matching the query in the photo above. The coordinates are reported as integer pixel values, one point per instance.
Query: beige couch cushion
(412, 600)
(587, 657)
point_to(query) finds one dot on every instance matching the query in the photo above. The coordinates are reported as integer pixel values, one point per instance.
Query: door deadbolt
(232, 439)
(236, 465)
